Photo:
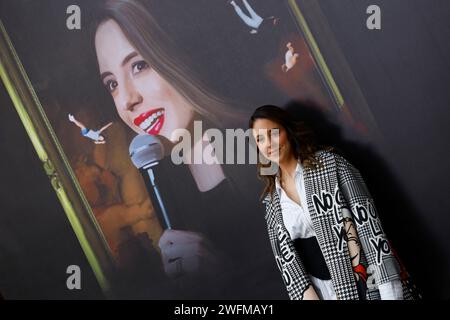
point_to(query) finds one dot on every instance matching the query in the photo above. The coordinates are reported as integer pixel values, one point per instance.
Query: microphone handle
(165, 216)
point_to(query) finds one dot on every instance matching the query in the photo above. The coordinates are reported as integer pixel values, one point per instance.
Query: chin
(278, 159)
(273, 159)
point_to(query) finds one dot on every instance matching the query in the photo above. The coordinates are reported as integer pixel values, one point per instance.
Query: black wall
(403, 72)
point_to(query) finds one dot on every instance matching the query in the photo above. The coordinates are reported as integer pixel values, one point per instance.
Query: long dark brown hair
(300, 137)
(158, 49)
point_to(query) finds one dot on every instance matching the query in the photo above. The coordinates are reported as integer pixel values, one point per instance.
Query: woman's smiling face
(145, 101)
(271, 139)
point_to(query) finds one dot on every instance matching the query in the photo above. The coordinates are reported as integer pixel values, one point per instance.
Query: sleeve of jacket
(374, 243)
(288, 262)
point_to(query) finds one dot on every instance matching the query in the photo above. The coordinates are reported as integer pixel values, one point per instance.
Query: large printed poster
(107, 71)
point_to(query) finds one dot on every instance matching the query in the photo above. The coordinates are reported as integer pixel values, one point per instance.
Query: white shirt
(298, 223)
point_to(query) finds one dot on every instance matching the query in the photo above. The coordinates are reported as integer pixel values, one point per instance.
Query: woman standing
(325, 232)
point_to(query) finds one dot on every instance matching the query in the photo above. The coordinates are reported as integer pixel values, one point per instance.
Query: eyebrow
(124, 62)
(270, 130)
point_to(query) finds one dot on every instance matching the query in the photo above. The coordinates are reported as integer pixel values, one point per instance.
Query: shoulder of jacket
(327, 156)
(330, 155)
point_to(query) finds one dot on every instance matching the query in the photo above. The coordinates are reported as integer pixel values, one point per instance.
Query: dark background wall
(37, 243)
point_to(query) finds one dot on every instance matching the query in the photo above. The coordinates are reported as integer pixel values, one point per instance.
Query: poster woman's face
(145, 101)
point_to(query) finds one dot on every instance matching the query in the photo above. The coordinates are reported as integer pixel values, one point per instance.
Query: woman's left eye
(139, 66)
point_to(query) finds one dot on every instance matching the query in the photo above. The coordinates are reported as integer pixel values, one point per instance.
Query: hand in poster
(189, 254)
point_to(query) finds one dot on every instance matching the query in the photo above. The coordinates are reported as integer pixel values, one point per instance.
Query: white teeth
(150, 121)
(153, 125)
(145, 124)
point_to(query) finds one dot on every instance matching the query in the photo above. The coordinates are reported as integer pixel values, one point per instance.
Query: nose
(271, 144)
(266, 145)
(130, 98)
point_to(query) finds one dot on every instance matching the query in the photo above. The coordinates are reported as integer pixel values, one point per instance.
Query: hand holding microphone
(184, 253)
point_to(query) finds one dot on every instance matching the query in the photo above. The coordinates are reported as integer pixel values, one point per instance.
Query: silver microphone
(145, 152)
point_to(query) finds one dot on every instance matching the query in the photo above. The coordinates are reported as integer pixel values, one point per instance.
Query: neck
(208, 173)
(287, 166)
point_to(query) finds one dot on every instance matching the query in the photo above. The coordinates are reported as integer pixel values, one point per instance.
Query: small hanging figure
(254, 20)
(290, 58)
(88, 133)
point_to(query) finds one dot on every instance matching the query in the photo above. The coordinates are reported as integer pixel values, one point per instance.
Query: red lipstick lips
(151, 121)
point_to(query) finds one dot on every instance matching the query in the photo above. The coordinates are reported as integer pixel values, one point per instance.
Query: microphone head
(145, 149)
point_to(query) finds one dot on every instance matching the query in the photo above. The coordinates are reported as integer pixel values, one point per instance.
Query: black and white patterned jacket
(334, 186)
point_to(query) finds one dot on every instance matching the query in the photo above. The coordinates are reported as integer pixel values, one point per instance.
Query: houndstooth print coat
(333, 187)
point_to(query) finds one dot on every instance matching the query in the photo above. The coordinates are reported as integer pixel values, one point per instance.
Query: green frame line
(323, 67)
(9, 79)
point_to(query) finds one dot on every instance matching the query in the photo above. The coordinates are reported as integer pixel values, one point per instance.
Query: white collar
(298, 170)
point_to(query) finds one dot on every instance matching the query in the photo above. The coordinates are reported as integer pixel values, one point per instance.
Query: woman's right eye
(111, 85)
(274, 132)
(138, 66)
